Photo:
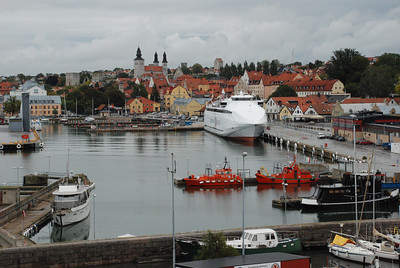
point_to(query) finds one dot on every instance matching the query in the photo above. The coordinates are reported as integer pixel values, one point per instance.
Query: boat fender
(1, 147)
(41, 145)
(18, 146)
(347, 254)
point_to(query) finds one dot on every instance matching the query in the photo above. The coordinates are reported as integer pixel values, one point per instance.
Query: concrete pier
(306, 141)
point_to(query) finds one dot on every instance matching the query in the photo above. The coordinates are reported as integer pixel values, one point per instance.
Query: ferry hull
(238, 132)
(71, 216)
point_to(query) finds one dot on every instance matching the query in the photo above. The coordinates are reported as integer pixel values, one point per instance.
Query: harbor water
(134, 186)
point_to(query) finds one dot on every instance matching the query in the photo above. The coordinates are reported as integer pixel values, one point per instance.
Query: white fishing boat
(265, 240)
(238, 117)
(72, 200)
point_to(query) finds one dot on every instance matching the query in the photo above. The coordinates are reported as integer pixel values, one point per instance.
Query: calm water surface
(134, 188)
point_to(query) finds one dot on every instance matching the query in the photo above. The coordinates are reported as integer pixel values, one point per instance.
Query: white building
(31, 87)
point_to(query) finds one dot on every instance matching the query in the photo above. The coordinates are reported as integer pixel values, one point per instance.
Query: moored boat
(341, 196)
(239, 117)
(72, 200)
(346, 248)
(223, 176)
(265, 240)
(291, 174)
(255, 241)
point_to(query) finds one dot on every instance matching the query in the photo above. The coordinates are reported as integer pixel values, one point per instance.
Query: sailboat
(383, 249)
(347, 246)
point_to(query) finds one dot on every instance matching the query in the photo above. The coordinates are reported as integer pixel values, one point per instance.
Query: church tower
(138, 64)
(155, 62)
(165, 65)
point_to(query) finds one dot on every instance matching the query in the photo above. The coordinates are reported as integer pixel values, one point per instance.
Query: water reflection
(214, 189)
(74, 232)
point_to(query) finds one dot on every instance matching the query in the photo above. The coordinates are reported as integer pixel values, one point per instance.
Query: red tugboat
(291, 174)
(223, 177)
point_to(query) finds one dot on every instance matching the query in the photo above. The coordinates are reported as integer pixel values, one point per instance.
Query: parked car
(320, 136)
(340, 138)
(363, 142)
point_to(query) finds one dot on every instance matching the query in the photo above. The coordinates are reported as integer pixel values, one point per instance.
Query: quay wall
(315, 151)
(158, 247)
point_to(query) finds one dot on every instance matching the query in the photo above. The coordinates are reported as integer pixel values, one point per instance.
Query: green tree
(318, 63)
(215, 247)
(246, 66)
(51, 80)
(240, 69)
(12, 106)
(259, 67)
(347, 65)
(61, 80)
(155, 96)
(265, 65)
(197, 68)
(389, 59)
(186, 70)
(274, 67)
(284, 91)
(234, 70)
(21, 77)
(122, 75)
(226, 72)
(377, 81)
(252, 67)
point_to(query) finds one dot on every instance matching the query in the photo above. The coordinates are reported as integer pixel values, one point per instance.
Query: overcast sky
(58, 36)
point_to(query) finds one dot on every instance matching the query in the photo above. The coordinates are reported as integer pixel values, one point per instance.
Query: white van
(320, 136)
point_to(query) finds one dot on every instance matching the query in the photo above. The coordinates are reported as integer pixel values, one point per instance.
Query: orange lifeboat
(223, 176)
(290, 174)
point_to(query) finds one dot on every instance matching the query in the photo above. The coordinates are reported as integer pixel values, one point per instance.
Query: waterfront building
(354, 105)
(176, 93)
(142, 105)
(189, 107)
(30, 87)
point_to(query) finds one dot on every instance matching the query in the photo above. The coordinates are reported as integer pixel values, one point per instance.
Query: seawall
(158, 247)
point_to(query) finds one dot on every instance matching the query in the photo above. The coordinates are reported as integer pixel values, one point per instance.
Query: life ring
(18, 146)
(1, 147)
(41, 145)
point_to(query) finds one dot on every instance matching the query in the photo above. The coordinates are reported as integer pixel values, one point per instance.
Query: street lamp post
(173, 171)
(49, 156)
(18, 168)
(94, 216)
(244, 154)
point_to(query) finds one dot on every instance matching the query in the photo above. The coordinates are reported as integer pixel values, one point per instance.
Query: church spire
(138, 54)
(155, 58)
(164, 60)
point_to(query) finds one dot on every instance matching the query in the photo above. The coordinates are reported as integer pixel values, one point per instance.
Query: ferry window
(336, 191)
(255, 238)
(331, 191)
